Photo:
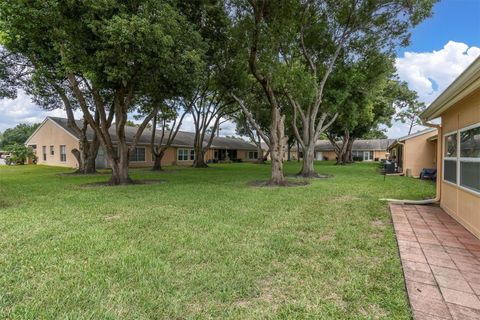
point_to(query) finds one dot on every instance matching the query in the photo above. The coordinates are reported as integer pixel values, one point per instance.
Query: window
(52, 150)
(450, 158)
(252, 155)
(185, 154)
(63, 153)
(44, 153)
(469, 150)
(137, 155)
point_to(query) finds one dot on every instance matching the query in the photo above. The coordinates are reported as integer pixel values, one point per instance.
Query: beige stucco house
(415, 152)
(53, 142)
(458, 178)
(362, 149)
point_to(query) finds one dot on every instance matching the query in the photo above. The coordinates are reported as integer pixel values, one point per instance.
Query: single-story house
(458, 178)
(362, 149)
(415, 152)
(53, 142)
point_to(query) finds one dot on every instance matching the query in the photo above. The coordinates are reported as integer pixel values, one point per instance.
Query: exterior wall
(419, 153)
(331, 155)
(461, 204)
(50, 134)
(380, 154)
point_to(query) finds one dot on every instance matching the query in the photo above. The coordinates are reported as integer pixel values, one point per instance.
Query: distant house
(415, 152)
(458, 178)
(362, 149)
(53, 142)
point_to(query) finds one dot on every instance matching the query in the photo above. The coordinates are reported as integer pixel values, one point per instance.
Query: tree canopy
(18, 134)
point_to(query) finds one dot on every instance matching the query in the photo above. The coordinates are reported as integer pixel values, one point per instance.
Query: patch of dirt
(108, 184)
(379, 224)
(373, 311)
(267, 184)
(114, 216)
(345, 197)
(326, 237)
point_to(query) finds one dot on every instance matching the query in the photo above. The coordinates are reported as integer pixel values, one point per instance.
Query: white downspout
(439, 163)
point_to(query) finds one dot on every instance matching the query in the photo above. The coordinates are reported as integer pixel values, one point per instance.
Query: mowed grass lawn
(202, 245)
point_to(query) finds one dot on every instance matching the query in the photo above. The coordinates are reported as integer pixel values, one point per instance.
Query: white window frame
(63, 154)
(458, 159)
(451, 133)
(183, 154)
(465, 159)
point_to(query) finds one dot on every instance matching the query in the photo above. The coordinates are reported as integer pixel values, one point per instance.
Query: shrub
(19, 154)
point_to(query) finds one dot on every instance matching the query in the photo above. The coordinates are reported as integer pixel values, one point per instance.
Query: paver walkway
(441, 263)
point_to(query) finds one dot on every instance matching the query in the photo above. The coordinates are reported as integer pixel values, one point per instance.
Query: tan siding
(51, 134)
(419, 153)
(460, 204)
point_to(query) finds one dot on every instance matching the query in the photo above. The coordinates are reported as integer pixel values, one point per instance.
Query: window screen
(451, 145)
(470, 158)
(450, 170)
(470, 143)
(470, 175)
(63, 153)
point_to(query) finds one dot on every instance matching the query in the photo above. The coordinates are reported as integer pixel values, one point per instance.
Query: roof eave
(460, 88)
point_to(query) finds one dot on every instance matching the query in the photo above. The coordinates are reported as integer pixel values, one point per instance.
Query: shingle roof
(360, 145)
(182, 139)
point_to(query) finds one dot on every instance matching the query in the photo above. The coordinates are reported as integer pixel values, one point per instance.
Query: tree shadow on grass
(133, 183)
(316, 176)
(268, 184)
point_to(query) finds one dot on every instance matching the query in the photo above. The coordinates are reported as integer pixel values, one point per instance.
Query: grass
(202, 245)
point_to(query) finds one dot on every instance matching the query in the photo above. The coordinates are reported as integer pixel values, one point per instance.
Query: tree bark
(157, 162)
(277, 148)
(308, 169)
(199, 161)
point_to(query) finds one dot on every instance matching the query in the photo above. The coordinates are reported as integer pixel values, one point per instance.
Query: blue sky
(441, 48)
(457, 20)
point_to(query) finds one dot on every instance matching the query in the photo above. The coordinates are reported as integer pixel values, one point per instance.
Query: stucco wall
(50, 134)
(463, 205)
(419, 153)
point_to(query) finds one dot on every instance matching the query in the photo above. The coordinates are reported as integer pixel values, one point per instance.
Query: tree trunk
(308, 169)
(120, 160)
(86, 156)
(348, 152)
(120, 173)
(260, 159)
(277, 141)
(199, 161)
(157, 163)
(277, 178)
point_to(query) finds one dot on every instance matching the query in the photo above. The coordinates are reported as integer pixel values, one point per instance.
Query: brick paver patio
(441, 263)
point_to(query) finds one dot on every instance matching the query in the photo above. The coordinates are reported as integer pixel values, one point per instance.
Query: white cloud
(429, 73)
(23, 110)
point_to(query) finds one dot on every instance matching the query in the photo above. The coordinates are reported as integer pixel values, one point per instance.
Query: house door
(367, 156)
(319, 156)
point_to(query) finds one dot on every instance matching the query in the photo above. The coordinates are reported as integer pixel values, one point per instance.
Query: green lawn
(202, 245)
